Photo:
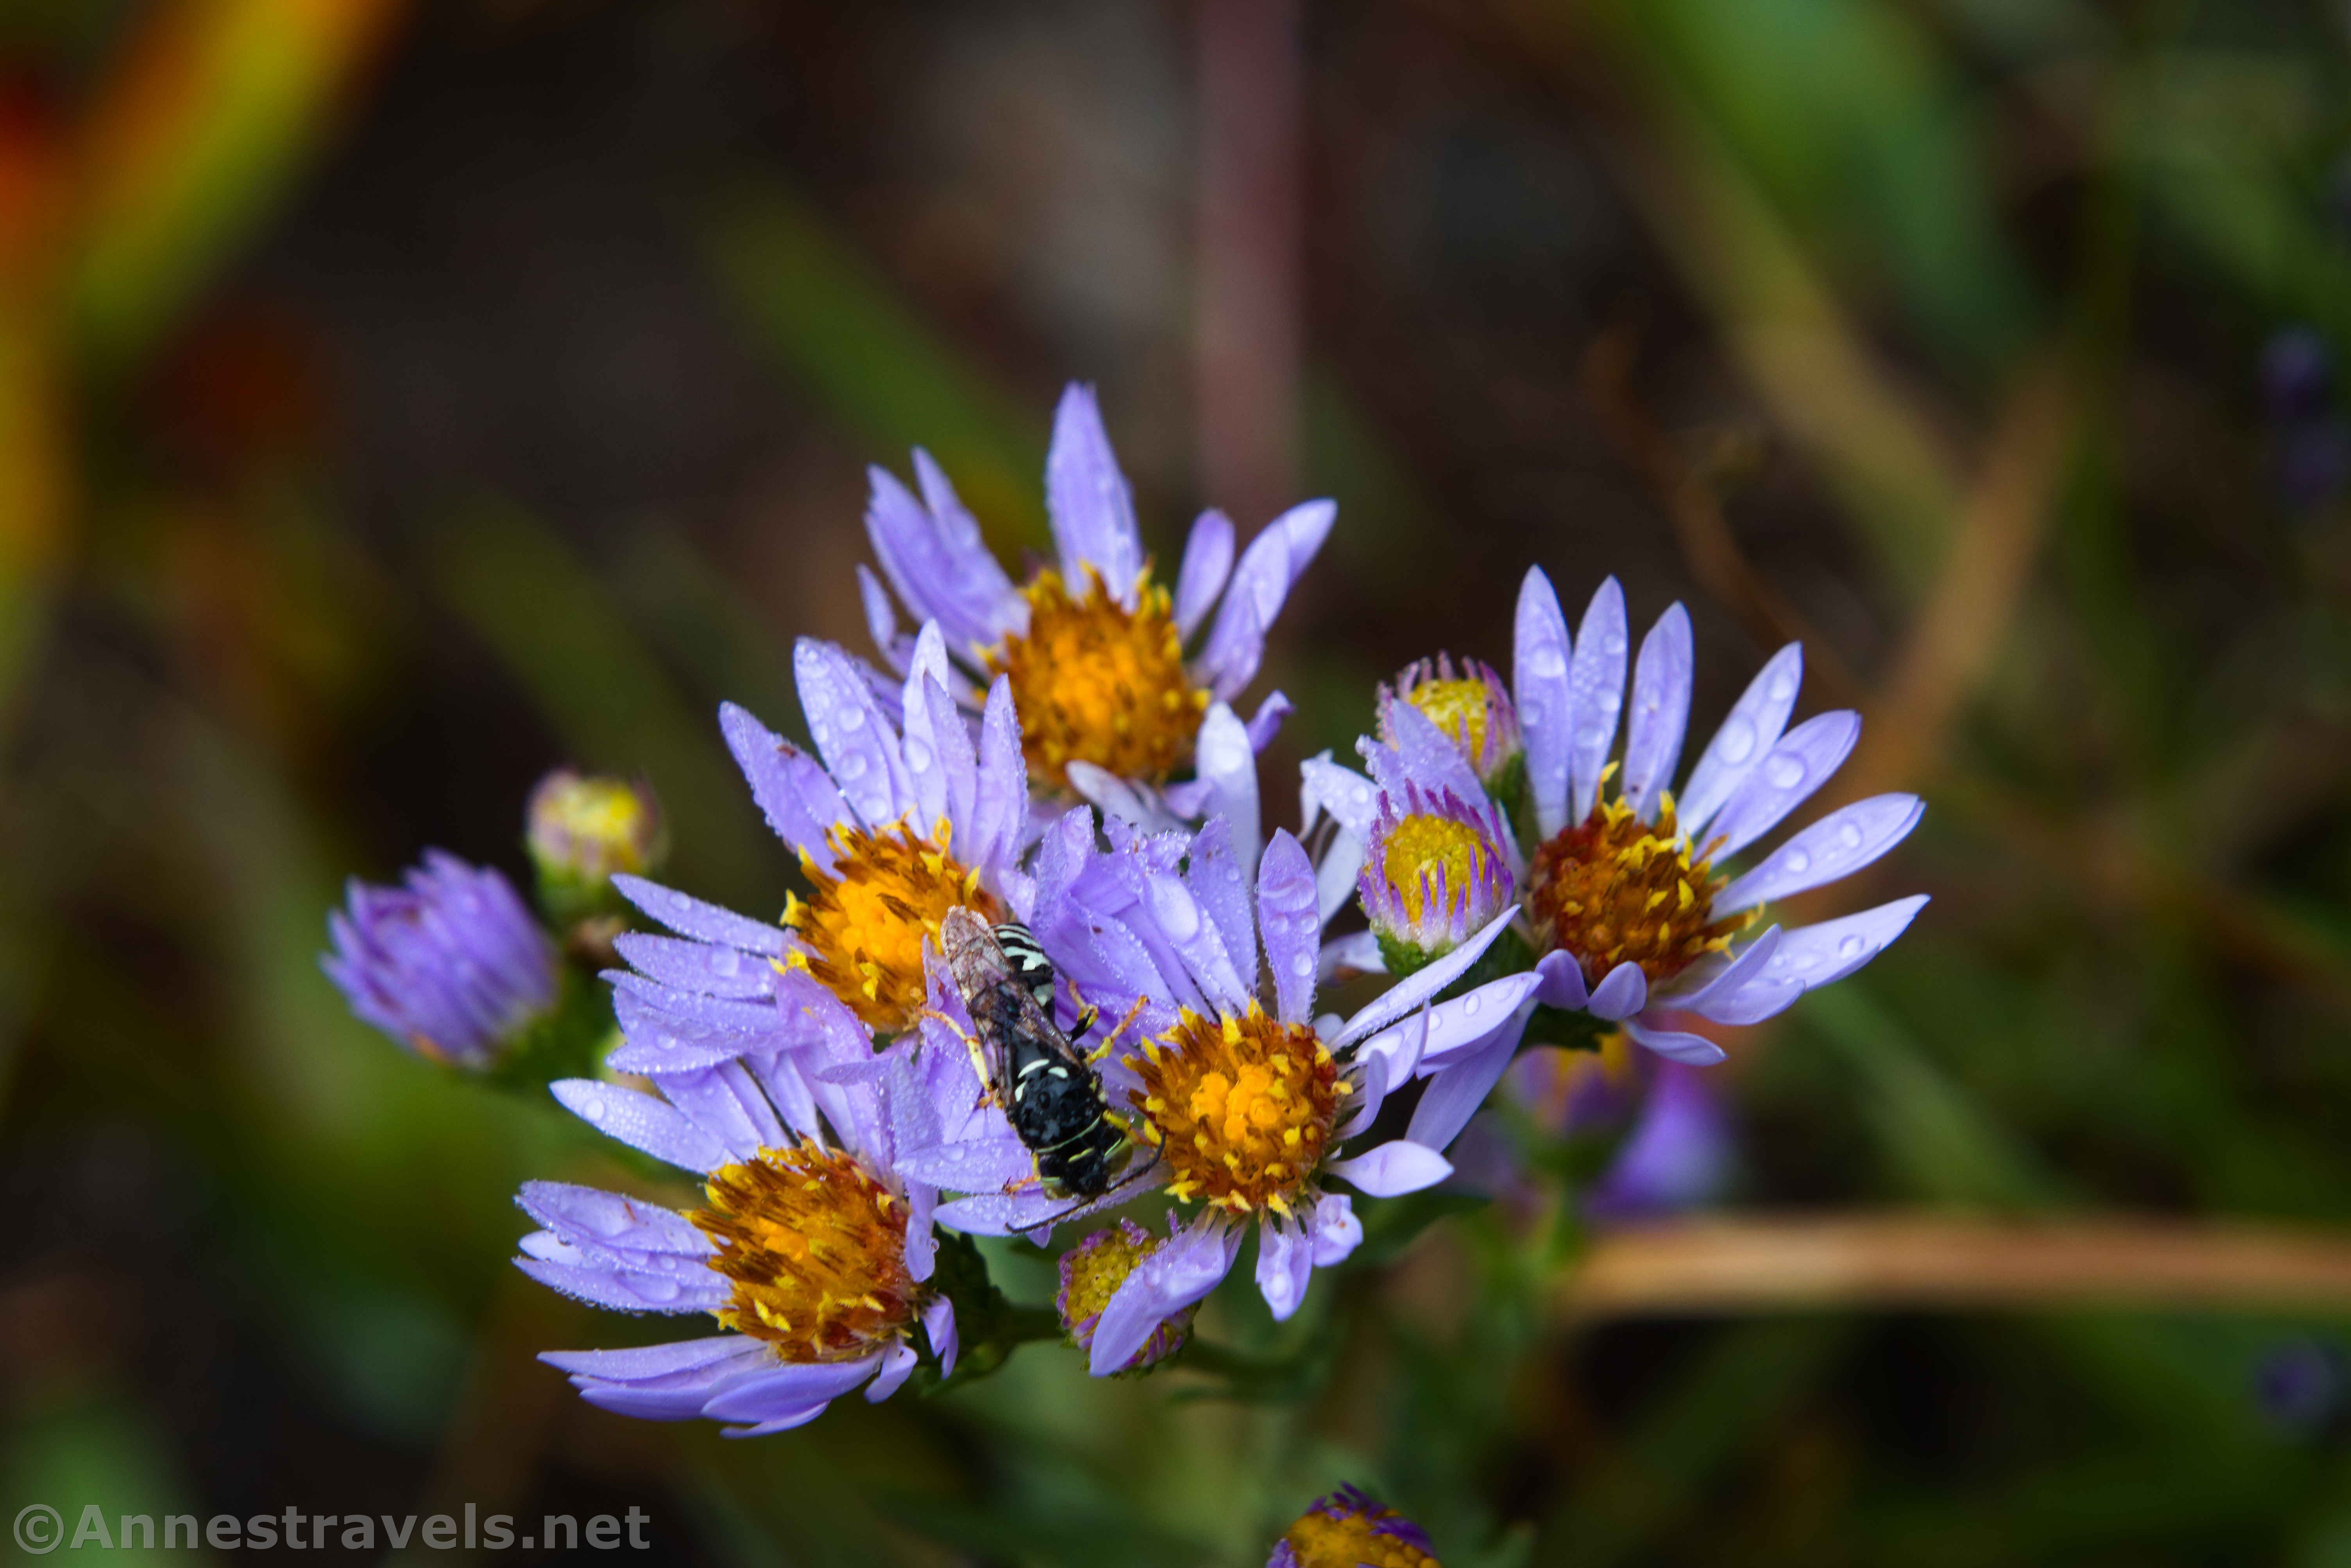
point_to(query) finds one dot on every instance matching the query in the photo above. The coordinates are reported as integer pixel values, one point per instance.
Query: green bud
(582, 831)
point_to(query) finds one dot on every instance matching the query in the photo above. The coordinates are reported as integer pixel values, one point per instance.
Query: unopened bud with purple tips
(449, 963)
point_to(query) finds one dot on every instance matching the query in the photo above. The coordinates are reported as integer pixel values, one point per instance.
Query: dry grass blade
(1732, 1266)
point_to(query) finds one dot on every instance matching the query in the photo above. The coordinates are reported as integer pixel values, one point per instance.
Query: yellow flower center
(1096, 682)
(1242, 1107)
(1322, 1542)
(1460, 708)
(1613, 887)
(1094, 1269)
(593, 827)
(866, 921)
(816, 1249)
(1424, 846)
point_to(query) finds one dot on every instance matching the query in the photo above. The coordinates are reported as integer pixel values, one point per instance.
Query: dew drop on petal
(852, 767)
(1796, 860)
(1301, 965)
(1546, 662)
(851, 717)
(1471, 1005)
(1850, 836)
(1851, 948)
(1179, 917)
(1530, 713)
(1783, 686)
(594, 1111)
(1612, 644)
(918, 756)
(1735, 743)
(725, 962)
(1783, 771)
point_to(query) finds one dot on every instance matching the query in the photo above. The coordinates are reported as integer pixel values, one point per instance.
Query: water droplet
(1545, 662)
(1735, 743)
(1785, 771)
(1784, 687)
(1851, 948)
(1179, 917)
(1472, 1005)
(852, 767)
(851, 716)
(1850, 836)
(1796, 860)
(918, 756)
(1806, 959)
(1301, 965)
(724, 962)
(1612, 644)
(595, 1110)
(1531, 714)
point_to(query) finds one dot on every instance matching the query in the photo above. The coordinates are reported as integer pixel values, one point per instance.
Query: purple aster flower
(1437, 871)
(1110, 701)
(1349, 1530)
(813, 1249)
(1677, 1157)
(2300, 1384)
(1471, 708)
(2297, 374)
(1439, 862)
(1092, 1272)
(1244, 1111)
(1635, 921)
(907, 815)
(1569, 1091)
(450, 964)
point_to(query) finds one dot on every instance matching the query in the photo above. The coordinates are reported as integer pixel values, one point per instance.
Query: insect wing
(1003, 1011)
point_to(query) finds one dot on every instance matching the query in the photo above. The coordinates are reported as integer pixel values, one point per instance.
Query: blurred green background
(397, 401)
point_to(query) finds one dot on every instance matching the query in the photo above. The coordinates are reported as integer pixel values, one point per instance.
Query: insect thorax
(1030, 965)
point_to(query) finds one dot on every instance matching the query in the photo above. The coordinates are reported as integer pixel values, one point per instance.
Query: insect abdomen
(1060, 1116)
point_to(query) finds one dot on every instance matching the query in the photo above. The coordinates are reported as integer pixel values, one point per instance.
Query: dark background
(398, 401)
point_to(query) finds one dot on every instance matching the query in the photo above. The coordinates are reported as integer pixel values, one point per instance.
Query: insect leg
(978, 1055)
(1101, 1052)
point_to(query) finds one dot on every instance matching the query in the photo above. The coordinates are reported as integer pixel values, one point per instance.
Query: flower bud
(584, 829)
(1436, 870)
(1348, 1530)
(450, 964)
(1473, 707)
(1092, 1272)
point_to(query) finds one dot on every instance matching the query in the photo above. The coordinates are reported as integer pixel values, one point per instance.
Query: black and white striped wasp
(1048, 1087)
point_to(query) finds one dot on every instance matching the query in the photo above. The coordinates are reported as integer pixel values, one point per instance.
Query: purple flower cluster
(821, 1076)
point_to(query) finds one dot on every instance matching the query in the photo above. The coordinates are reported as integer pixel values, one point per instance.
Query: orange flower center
(816, 1249)
(1096, 682)
(866, 923)
(1613, 887)
(1242, 1108)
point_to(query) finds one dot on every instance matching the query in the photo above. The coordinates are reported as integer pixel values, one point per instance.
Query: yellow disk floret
(864, 927)
(1460, 708)
(1351, 1541)
(1096, 682)
(816, 1249)
(1242, 1108)
(1613, 888)
(1422, 848)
